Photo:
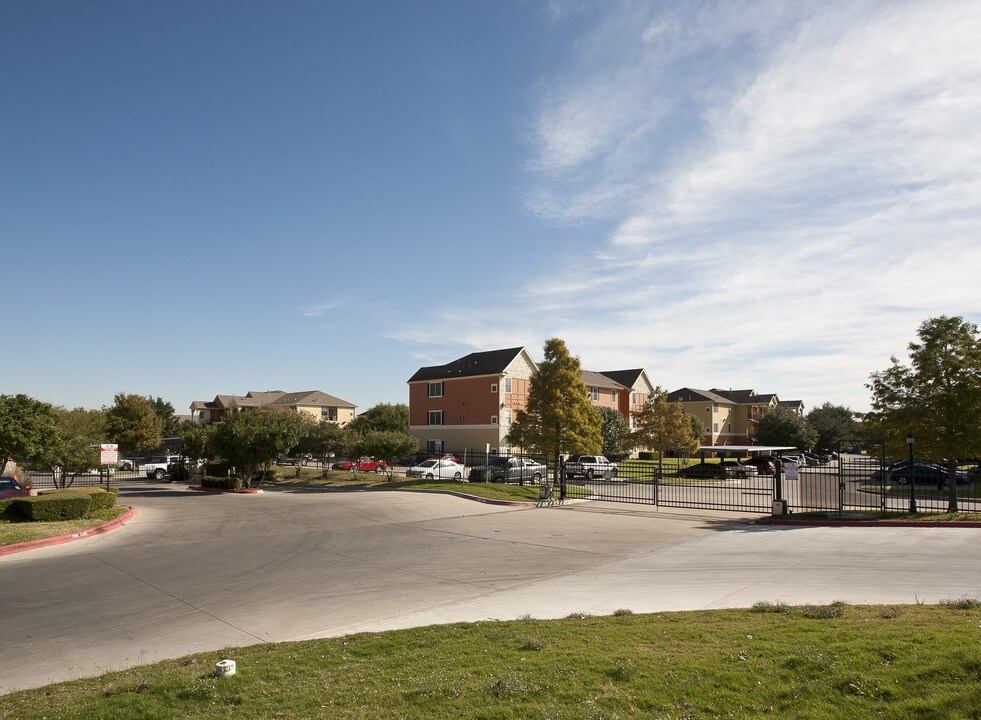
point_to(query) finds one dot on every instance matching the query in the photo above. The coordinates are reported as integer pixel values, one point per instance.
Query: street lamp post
(912, 473)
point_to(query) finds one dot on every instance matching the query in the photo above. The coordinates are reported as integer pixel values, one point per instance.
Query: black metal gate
(642, 482)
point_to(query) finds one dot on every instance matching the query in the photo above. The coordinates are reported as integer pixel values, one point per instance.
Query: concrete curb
(491, 501)
(68, 537)
(870, 523)
(233, 491)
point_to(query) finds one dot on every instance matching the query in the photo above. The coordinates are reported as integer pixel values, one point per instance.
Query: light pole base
(779, 507)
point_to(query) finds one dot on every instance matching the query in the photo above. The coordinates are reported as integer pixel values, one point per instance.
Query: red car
(9, 488)
(764, 464)
(370, 464)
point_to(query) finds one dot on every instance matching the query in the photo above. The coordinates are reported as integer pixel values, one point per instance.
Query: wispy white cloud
(318, 310)
(783, 191)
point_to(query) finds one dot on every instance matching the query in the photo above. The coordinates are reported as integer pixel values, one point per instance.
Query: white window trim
(429, 417)
(429, 389)
(493, 387)
(493, 419)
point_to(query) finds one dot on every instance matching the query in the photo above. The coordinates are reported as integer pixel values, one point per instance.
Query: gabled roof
(311, 397)
(695, 395)
(627, 378)
(746, 397)
(791, 403)
(491, 362)
(601, 380)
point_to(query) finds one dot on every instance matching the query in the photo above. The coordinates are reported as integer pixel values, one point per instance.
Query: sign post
(108, 456)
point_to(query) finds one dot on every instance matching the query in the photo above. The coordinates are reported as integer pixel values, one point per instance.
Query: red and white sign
(109, 453)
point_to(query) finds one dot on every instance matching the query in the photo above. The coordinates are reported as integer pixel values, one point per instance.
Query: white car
(437, 468)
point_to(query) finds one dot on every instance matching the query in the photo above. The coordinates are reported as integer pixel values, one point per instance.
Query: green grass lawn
(836, 661)
(15, 530)
(339, 479)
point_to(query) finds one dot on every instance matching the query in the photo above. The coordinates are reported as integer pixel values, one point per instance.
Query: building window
(507, 416)
(594, 394)
(494, 387)
(715, 427)
(435, 417)
(633, 398)
(328, 414)
(434, 446)
(613, 395)
(715, 407)
(493, 419)
(507, 385)
(435, 389)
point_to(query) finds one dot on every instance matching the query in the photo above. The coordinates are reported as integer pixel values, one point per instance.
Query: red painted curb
(234, 491)
(871, 523)
(68, 537)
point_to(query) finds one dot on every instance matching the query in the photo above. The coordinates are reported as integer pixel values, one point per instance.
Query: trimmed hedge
(217, 469)
(57, 506)
(7, 508)
(102, 499)
(222, 483)
(646, 455)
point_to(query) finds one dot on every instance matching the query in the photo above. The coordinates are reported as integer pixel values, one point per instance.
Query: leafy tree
(697, 430)
(384, 444)
(196, 441)
(80, 432)
(322, 440)
(559, 417)
(170, 424)
(251, 440)
(383, 416)
(28, 429)
(783, 426)
(133, 423)
(664, 426)
(937, 397)
(615, 432)
(835, 425)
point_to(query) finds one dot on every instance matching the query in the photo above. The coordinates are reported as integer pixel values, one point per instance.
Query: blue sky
(216, 197)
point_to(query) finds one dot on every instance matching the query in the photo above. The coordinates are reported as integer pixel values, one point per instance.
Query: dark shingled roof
(693, 395)
(491, 362)
(627, 378)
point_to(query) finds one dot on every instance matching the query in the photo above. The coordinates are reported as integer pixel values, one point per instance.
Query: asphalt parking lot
(195, 572)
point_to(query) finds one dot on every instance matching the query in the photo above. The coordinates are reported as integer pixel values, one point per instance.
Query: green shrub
(222, 483)
(59, 506)
(7, 508)
(101, 498)
(645, 455)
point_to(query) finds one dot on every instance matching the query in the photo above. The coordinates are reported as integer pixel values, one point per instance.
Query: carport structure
(640, 482)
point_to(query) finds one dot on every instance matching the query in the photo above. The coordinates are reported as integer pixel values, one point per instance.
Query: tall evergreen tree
(559, 417)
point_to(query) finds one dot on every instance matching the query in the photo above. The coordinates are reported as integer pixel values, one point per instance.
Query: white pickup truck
(159, 468)
(590, 466)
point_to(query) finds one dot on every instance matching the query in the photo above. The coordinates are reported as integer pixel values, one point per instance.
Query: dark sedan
(925, 474)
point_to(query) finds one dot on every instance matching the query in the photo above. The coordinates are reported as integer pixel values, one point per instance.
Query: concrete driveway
(197, 572)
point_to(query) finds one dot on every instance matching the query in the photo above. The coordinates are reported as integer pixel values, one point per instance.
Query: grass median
(342, 479)
(831, 661)
(16, 530)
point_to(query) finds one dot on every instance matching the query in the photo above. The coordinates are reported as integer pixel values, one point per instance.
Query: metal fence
(47, 479)
(861, 482)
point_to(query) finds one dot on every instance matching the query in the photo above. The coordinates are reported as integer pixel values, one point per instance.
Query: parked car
(127, 464)
(926, 474)
(290, 459)
(718, 471)
(368, 464)
(342, 464)
(437, 468)
(517, 469)
(590, 466)
(10, 487)
(764, 464)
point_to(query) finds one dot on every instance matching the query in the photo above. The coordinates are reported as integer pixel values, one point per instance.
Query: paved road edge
(69, 537)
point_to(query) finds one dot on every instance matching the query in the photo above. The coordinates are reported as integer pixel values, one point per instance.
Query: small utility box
(779, 507)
